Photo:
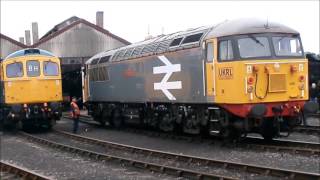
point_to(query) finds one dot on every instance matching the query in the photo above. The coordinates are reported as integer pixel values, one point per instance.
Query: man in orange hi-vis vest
(75, 113)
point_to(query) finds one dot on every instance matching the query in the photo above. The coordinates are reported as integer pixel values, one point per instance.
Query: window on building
(14, 70)
(50, 68)
(33, 68)
(225, 50)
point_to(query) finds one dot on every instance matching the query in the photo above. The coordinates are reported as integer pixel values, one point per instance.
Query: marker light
(255, 69)
(301, 78)
(293, 69)
(250, 80)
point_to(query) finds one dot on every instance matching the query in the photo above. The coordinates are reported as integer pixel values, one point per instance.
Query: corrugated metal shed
(8, 46)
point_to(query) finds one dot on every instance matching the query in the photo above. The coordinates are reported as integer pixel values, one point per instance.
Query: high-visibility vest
(75, 109)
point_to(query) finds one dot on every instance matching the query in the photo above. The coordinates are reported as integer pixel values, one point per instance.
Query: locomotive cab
(32, 88)
(260, 78)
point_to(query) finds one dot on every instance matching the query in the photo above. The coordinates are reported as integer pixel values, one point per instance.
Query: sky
(132, 20)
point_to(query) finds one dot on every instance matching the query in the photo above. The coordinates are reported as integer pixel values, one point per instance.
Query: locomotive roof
(189, 38)
(29, 52)
(249, 26)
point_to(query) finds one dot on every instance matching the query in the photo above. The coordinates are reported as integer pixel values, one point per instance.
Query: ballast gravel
(213, 150)
(62, 165)
(153, 159)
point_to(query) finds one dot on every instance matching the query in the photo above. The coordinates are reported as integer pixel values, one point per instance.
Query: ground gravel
(203, 149)
(62, 165)
(153, 159)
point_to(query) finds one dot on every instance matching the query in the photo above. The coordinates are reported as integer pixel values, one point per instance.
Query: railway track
(296, 147)
(10, 172)
(308, 129)
(170, 170)
(211, 163)
(276, 145)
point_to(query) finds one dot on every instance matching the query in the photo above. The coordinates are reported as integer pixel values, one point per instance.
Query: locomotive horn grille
(277, 83)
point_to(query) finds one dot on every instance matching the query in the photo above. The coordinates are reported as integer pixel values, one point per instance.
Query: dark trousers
(75, 124)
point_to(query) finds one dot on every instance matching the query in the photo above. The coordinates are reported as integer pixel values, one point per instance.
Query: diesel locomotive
(237, 77)
(30, 89)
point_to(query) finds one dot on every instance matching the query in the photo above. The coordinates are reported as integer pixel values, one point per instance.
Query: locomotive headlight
(276, 67)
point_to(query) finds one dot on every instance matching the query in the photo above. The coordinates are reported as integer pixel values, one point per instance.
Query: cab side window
(225, 50)
(50, 68)
(33, 68)
(14, 70)
(209, 52)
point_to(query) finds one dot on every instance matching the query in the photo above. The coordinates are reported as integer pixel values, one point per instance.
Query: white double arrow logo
(164, 85)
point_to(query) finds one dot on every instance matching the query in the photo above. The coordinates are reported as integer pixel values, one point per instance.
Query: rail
(17, 171)
(192, 159)
(180, 172)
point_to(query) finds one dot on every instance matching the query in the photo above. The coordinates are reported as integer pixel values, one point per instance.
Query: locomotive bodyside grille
(277, 83)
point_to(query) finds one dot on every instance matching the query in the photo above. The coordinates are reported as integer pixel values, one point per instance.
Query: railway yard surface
(104, 153)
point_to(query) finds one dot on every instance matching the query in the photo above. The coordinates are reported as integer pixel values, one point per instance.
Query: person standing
(75, 112)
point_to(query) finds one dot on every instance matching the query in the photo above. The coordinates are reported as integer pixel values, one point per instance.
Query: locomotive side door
(209, 64)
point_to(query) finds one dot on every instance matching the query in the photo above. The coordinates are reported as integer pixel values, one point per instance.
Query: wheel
(51, 123)
(116, 120)
(268, 129)
(166, 123)
(191, 125)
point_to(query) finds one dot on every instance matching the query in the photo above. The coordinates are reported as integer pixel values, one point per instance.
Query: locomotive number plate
(226, 73)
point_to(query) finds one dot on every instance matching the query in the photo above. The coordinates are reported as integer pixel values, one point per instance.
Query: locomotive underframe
(32, 115)
(204, 119)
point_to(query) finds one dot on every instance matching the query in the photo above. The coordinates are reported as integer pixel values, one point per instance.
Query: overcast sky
(130, 19)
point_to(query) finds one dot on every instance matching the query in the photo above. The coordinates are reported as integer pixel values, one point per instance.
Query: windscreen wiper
(256, 40)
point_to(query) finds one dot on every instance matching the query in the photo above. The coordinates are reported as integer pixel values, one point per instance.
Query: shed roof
(2, 36)
(70, 23)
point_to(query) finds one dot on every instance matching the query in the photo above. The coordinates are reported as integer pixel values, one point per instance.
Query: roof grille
(150, 48)
(163, 45)
(137, 50)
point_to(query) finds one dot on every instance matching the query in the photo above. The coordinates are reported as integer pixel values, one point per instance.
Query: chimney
(35, 35)
(99, 18)
(21, 39)
(27, 35)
